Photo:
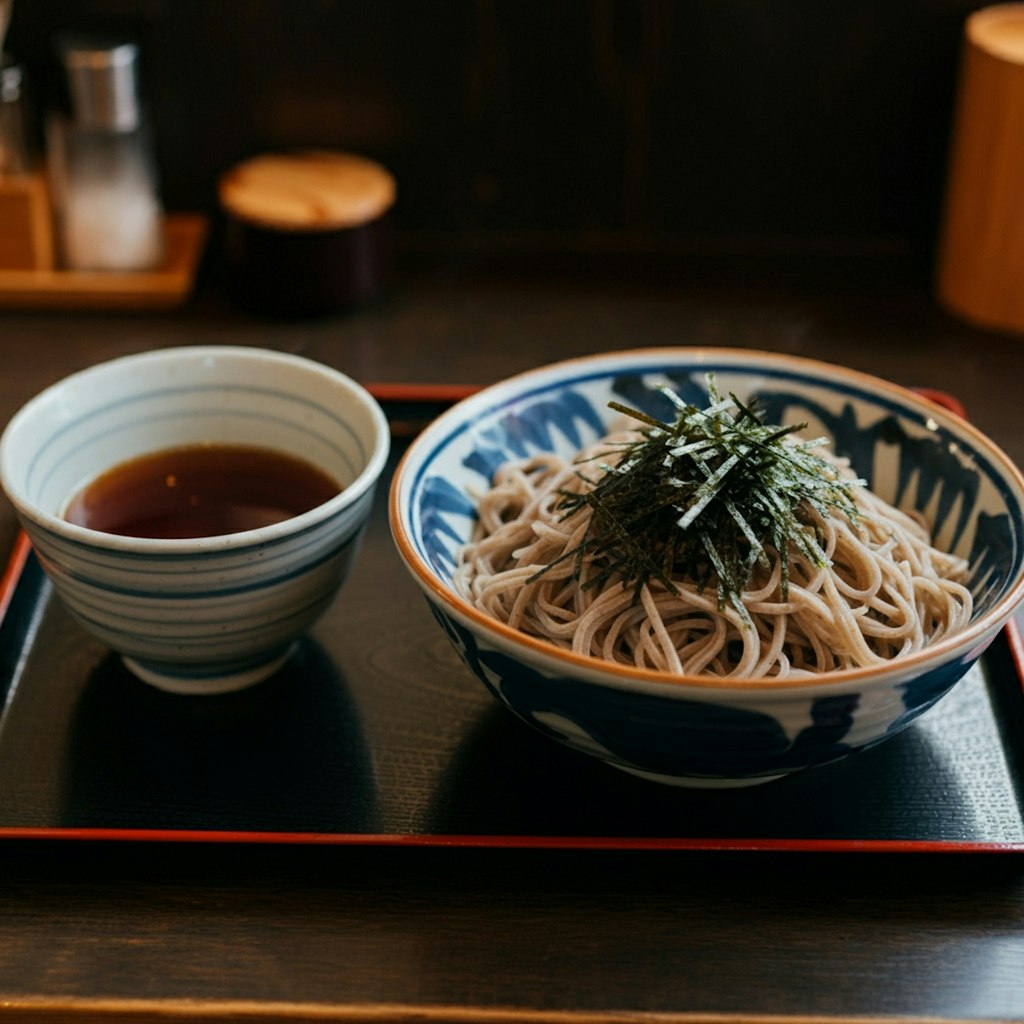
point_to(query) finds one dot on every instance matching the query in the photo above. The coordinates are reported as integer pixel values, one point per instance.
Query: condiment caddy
(83, 226)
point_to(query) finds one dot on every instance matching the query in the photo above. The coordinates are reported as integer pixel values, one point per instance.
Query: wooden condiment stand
(980, 271)
(26, 238)
(164, 287)
(31, 276)
(33, 273)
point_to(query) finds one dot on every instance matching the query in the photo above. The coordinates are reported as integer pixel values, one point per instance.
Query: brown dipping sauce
(204, 490)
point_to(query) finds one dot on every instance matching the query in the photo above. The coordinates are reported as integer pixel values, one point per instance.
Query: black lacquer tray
(375, 733)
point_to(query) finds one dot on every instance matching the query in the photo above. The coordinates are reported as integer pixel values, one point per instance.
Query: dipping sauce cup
(203, 614)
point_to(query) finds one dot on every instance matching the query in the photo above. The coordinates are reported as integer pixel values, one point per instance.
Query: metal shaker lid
(102, 82)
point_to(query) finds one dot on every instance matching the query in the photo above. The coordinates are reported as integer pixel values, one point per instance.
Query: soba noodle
(888, 591)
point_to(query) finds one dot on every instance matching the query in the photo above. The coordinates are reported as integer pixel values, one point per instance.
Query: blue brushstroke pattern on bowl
(698, 730)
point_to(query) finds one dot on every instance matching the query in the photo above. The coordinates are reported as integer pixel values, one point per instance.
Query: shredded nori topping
(701, 499)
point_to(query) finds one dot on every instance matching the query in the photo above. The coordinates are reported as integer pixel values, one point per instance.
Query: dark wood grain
(592, 122)
(259, 932)
(728, 934)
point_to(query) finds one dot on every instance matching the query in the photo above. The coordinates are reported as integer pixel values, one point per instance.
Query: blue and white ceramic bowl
(705, 731)
(209, 614)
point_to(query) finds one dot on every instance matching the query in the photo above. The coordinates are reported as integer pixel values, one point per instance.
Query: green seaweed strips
(702, 499)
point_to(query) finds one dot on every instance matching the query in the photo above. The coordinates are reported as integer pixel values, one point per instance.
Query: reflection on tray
(140, 758)
(506, 779)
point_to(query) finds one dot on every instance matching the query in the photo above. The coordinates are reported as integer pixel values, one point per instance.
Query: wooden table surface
(117, 931)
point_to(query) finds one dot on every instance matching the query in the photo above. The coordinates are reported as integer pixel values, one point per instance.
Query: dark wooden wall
(633, 123)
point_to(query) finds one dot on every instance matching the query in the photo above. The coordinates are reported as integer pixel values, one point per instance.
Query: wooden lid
(307, 191)
(999, 31)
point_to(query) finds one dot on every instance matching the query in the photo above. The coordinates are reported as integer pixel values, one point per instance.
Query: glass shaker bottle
(103, 174)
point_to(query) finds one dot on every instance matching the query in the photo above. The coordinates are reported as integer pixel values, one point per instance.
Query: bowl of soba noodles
(711, 567)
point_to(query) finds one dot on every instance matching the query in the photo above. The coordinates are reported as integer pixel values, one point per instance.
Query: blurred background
(699, 126)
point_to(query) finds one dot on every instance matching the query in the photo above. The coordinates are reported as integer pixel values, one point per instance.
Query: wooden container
(307, 233)
(980, 270)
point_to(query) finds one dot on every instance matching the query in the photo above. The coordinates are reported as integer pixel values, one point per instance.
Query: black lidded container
(307, 233)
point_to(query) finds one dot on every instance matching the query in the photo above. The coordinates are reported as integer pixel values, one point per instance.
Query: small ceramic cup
(207, 614)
